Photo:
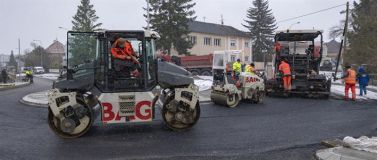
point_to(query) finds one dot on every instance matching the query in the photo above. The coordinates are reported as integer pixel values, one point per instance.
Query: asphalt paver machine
(229, 92)
(97, 83)
(303, 51)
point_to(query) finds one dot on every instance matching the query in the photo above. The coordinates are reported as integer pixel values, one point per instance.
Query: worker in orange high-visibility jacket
(285, 69)
(228, 72)
(350, 82)
(122, 49)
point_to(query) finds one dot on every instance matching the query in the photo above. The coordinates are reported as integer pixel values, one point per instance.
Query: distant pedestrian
(363, 79)
(350, 82)
(4, 75)
(29, 75)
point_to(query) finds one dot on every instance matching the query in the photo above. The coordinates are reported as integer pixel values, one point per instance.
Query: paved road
(278, 129)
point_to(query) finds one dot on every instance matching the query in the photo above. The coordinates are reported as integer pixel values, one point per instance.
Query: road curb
(33, 104)
(336, 96)
(36, 99)
(205, 101)
(14, 87)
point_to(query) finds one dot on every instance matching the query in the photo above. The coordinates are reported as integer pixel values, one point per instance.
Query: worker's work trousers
(353, 90)
(287, 82)
(237, 76)
(363, 89)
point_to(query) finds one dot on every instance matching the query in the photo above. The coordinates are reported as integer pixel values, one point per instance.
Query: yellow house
(210, 37)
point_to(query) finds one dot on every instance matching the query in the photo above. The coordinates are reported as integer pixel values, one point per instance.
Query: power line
(308, 14)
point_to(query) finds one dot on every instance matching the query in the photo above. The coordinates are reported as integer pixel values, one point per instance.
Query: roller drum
(219, 98)
(225, 99)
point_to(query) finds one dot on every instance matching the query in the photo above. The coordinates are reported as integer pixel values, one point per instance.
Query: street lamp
(64, 28)
(40, 44)
(289, 28)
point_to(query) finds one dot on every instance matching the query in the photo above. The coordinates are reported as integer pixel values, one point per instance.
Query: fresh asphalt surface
(281, 128)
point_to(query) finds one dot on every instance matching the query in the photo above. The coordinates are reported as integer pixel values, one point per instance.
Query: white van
(39, 70)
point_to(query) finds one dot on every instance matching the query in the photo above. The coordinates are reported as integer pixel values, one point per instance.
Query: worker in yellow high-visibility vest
(237, 68)
(250, 68)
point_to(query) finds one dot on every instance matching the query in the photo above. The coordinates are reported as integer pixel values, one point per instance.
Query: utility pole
(19, 60)
(345, 34)
(343, 42)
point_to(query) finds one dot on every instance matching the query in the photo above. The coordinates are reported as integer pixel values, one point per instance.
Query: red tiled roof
(55, 47)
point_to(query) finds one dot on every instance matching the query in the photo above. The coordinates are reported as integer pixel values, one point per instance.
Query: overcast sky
(40, 19)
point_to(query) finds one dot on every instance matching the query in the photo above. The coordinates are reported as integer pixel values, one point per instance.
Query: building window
(233, 43)
(217, 42)
(246, 58)
(233, 58)
(192, 39)
(247, 44)
(207, 41)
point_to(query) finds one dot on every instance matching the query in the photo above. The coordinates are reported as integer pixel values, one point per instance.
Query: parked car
(39, 70)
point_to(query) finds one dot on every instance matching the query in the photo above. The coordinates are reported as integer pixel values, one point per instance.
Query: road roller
(114, 75)
(227, 91)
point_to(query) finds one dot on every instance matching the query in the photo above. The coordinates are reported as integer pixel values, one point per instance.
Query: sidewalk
(40, 99)
(342, 153)
(349, 148)
(337, 90)
(6, 86)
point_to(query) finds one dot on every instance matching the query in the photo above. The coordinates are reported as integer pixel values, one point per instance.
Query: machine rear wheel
(178, 116)
(259, 97)
(232, 100)
(85, 123)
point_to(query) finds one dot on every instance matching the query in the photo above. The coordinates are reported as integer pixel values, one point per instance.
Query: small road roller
(229, 92)
(114, 75)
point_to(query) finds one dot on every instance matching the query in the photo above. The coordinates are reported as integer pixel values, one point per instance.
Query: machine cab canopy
(113, 60)
(301, 48)
(298, 35)
(222, 58)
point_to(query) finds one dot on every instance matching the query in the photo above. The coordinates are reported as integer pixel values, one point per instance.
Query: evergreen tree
(262, 25)
(363, 38)
(82, 47)
(12, 60)
(85, 18)
(170, 19)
